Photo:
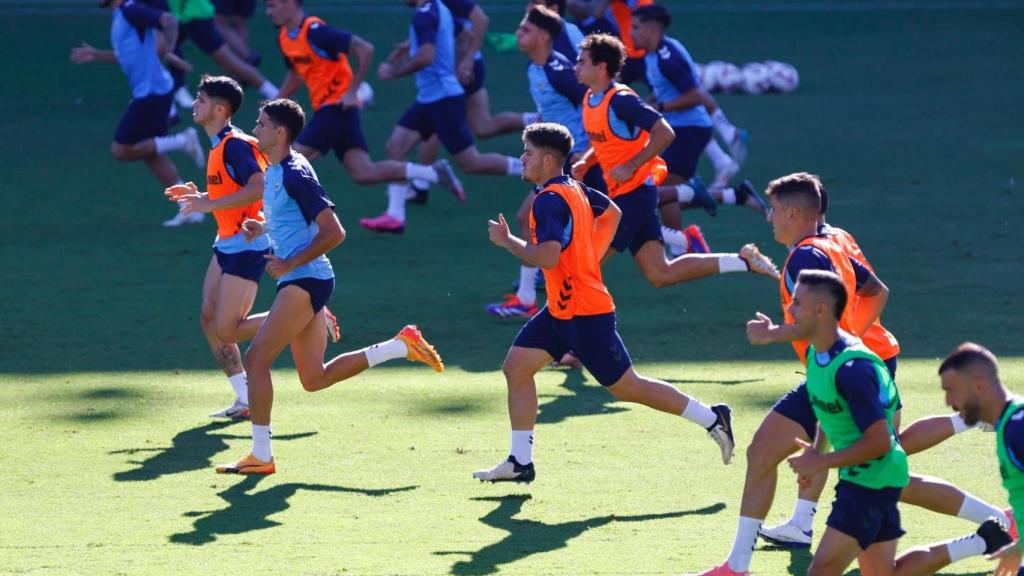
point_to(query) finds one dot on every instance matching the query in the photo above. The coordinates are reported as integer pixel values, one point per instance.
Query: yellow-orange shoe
(248, 465)
(419, 349)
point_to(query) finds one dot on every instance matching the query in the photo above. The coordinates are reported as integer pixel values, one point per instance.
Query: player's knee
(761, 452)
(311, 382)
(656, 278)
(394, 149)
(120, 152)
(256, 360)
(515, 374)
(623, 391)
(363, 176)
(226, 332)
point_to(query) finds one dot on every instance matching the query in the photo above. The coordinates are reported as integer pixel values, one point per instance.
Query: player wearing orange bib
(571, 227)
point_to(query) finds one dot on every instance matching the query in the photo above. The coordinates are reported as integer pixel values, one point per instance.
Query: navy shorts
(203, 33)
(445, 117)
(593, 339)
(319, 290)
(634, 69)
(479, 73)
(684, 152)
(640, 223)
(796, 404)
(243, 8)
(334, 127)
(867, 515)
(248, 264)
(145, 118)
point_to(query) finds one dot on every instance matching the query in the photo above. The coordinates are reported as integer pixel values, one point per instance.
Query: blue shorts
(867, 515)
(319, 290)
(640, 223)
(634, 69)
(684, 152)
(593, 339)
(334, 127)
(203, 33)
(479, 73)
(445, 117)
(248, 264)
(145, 118)
(796, 404)
(243, 8)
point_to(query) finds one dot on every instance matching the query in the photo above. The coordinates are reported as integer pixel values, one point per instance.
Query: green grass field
(912, 118)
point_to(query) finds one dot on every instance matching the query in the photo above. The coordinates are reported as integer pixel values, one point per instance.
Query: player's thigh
(234, 302)
(289, 315)
(402, 141)
(308, 349)
(878, 559)
(835, 552)
(774, 440)
(521, 361)
(211, 289)
(478, 108)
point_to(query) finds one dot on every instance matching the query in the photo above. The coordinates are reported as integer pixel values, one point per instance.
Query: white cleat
(787, 535)
(193, 147)
(184, 220)
(724, 174)
(721, 431)
(509, 470)
(759, 263)
(236, 411)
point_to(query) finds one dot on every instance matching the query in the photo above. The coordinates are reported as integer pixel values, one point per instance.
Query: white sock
(965, 547)
(530, 118)
(731, 263)
(725, 128)
(388, 350)
(261, 442)
(728, 195)
(958, 424)
(522, 446)
(268, 90)
(420, 183)
(170, 142)
(803, 514)
(978, 511)
(684, 192)
(675, 239)
(700, 414)
(397, 192)
(718, 156)
(527, 292)
(743, 546)
(515, 166)
(240, 384)
(420, 172)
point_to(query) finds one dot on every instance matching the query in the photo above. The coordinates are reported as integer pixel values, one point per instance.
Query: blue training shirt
(292, 199)
(432, 23)
(133, 36)
(461, 9)
(241, 165)
(552, 216)
(558, 96)
(810, 258)
(627, 114)
(671, 73)
(568, 42)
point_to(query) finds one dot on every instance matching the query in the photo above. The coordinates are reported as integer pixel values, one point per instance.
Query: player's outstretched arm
(290, 85)
(192, 200)
(363, 52)
(605, 226)
(874, 443)
(253, 229)
(88, 53)
(544, 255)
(761, 330)
(873, 297)
(424, 57)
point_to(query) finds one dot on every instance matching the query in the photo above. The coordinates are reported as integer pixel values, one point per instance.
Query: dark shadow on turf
(529, 537)
(248, 512)
(711, 381)
(799, 558)
(584, 401)
(190, 450)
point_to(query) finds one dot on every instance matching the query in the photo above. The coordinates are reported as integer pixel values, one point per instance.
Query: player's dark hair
(546, 19)
(824, 199)
(606, 49)
(800, 189)
(653, 13)
(557, 6)
(287, 113)
(823, 281)
(551, 136)
(223, 88)
(970, 355)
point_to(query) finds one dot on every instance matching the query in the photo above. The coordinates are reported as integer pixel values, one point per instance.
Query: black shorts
(867, 515)
(640, 223)
(334, 127)
(479, 73)
(445, 117)
(593, 339)
(319, 290)
(203, 33)
(243, 8)
(248, 264)
(684, 152)
(145, 118)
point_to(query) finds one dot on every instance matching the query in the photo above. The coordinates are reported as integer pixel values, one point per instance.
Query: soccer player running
(303, 228)
(440, 107)
(626, 137)
(572, 227)
(136, 33)
(317, 55)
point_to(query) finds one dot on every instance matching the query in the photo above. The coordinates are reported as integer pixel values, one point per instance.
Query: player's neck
(215, 127)
(824, 338)
(992, 411)
(601, 86)
(549, 175)
(278, 153)
(296, 21)
(540, 56)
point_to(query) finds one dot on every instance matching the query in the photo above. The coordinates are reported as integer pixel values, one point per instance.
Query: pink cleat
(720, 570)
(385, 223)
(698, 245)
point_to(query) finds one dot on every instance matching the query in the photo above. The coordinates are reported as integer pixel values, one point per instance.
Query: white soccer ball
(365, 95)
(709, 75)
(756, 78)
(782, 76)
(730, 78)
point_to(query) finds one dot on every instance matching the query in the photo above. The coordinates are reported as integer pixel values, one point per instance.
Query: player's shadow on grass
(711, 381)
(247, 511)
(584, 401)
(799, 558)
(190, 450)
(529, 537)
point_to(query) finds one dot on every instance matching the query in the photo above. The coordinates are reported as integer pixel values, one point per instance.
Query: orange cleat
(333, 328)
(248, 465)
(419, 349)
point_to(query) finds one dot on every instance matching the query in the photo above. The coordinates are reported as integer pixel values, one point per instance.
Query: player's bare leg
(483, 124)
(307, 151)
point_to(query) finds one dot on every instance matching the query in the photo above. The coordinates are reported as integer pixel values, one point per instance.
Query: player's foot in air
(446, 178)
(193, 147)
(721, 431)
(696, 244)
(512, 307)
(385, 223)
(248, 465)
(509, 470)
(720, 570)
(738, 146)
(759, 263)
(747, 196)
(417, 194)
(725, 173)
(419, 349)
(332, 326)
(701, 196)
(787, 535)
(237, 411)
(996, 535)
(184, 220)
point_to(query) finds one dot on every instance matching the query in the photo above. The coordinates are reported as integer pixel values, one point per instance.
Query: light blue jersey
(133, 37)
(432, 23)
(292, 199)
(558, 96)
(670, 72)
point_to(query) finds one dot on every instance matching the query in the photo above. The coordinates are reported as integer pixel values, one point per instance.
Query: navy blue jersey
(552, 216)
(810, 258)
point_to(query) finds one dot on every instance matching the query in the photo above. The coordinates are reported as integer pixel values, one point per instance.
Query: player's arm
(363, 52)
(588, 9)
(480, 22)
(89, 53)
(761, 330)
(329, 235)
(584, 163)
(873, 295)
(168, 30)
(290, 85)
(677, 71)
(424, 27)
(634, 111)
(342, 43)
(607, 216)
